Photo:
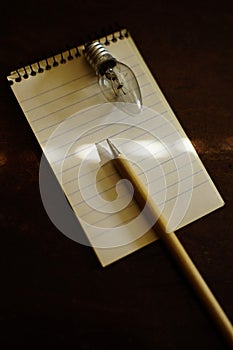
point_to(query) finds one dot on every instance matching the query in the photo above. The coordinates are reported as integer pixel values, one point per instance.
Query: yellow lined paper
(68, 115)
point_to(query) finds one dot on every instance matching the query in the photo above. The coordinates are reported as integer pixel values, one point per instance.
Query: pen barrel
(200, 286)
(141, 195)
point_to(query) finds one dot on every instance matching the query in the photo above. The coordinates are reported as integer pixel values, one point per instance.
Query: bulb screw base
(99, 58)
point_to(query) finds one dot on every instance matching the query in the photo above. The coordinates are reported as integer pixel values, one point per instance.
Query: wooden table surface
(53, 290)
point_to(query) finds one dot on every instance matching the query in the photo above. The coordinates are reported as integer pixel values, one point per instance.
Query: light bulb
(116, 80)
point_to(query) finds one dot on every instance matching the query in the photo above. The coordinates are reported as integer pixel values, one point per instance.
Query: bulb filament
(115, 82)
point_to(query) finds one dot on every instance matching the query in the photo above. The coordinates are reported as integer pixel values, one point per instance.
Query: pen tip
(113, 148)
(103, 153)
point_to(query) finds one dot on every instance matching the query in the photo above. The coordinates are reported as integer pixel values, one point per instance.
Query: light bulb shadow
(132, 109)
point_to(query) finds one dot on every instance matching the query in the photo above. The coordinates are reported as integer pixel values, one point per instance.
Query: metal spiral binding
(61, 58)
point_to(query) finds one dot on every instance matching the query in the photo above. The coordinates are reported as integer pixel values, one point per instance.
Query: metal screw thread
(97, 56)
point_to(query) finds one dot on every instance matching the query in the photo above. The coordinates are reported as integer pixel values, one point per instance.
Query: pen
(142, 198)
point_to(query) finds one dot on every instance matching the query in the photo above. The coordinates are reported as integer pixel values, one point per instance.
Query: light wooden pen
(141, 196)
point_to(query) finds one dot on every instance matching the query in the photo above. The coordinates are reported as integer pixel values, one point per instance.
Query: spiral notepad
(68, 114)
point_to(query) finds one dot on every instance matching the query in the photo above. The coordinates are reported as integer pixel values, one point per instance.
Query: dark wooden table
(53, 290)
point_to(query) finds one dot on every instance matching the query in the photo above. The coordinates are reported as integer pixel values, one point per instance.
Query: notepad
(69, 115)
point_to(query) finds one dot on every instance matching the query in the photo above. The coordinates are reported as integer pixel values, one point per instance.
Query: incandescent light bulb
(116, 80)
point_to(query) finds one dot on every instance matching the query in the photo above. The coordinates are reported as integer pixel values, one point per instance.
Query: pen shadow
(117, 192)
